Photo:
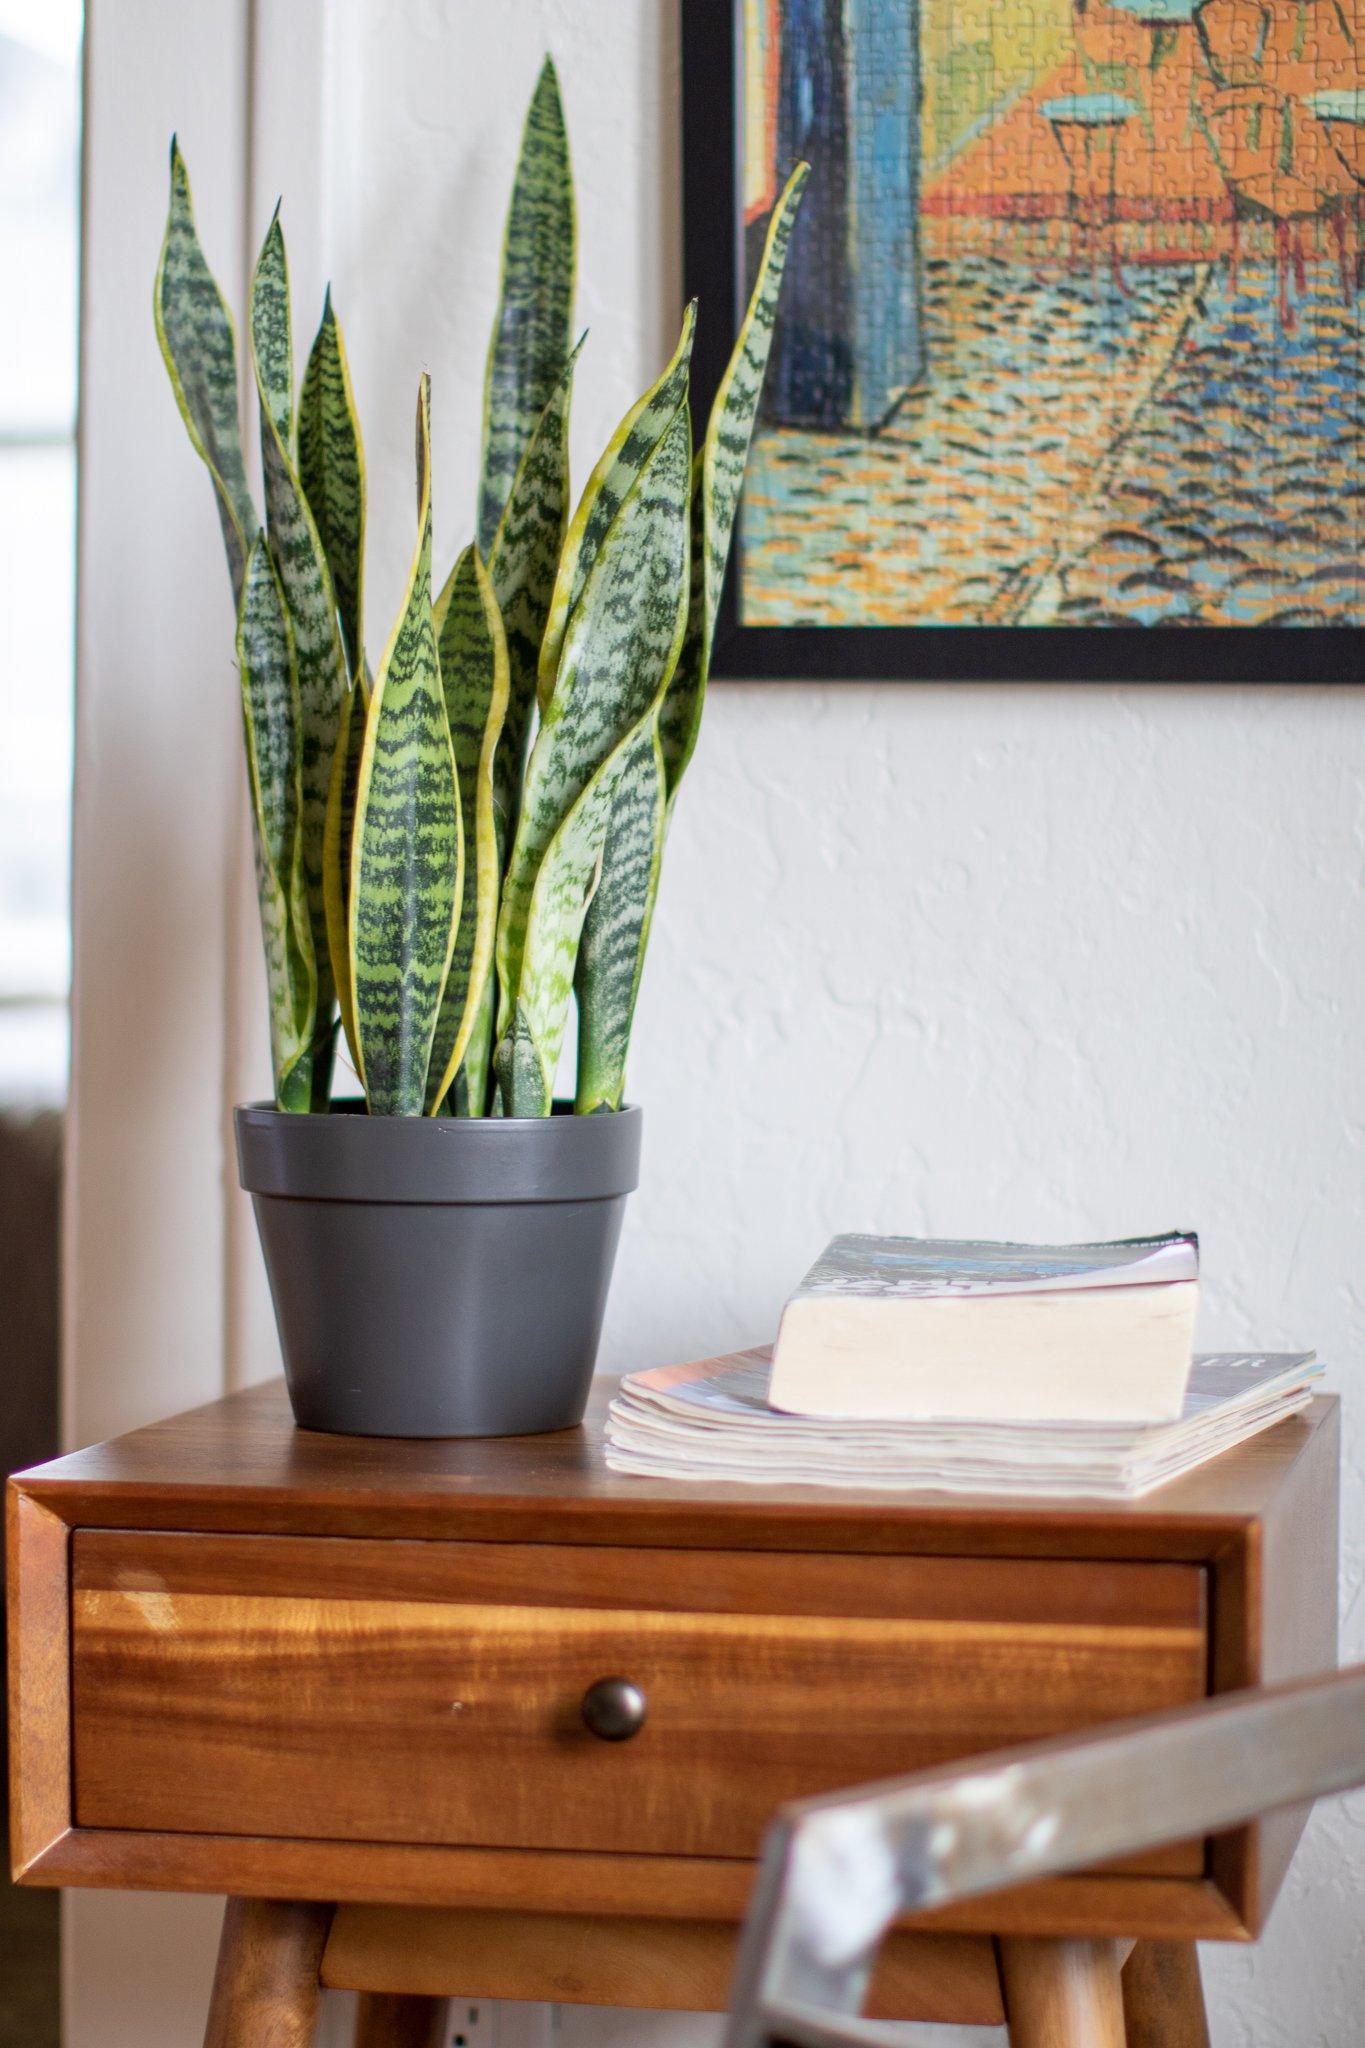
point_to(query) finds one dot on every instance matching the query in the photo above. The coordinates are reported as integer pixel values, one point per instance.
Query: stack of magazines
(713, 1420)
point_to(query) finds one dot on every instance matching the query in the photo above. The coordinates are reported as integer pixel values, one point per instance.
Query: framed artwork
(1068, 378)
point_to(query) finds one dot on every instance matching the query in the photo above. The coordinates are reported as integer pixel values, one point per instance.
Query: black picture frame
(713, 271)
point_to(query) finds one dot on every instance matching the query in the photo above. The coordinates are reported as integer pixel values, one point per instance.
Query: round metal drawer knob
(613, 1709)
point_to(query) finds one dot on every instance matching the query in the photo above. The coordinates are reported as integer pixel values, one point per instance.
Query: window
(39, 178)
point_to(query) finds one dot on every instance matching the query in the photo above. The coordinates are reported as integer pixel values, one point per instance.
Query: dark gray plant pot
(438, 1276)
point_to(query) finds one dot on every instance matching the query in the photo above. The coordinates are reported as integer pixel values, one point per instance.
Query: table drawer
(430, 1692)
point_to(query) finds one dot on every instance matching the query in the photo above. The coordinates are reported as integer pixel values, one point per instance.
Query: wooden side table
(352, 1672)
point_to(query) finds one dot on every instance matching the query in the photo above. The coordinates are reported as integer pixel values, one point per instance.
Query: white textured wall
(1009, 960)
(1024, 962)
(1051, 962)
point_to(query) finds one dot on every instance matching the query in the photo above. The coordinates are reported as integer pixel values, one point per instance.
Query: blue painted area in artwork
(810, 377)
(850, 337)
(1239, 363)
(1090, 110)
(1234, 498)
(884, 96)
(1159, 12)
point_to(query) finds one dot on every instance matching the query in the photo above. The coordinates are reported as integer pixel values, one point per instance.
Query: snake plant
(455, 846)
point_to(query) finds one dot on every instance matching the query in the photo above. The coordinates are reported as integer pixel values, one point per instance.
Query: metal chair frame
(838, 1871)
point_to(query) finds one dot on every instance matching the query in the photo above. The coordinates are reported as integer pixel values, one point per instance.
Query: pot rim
(354, 1106)
(444, 1160)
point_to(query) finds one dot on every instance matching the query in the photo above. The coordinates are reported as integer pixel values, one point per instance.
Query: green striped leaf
(606, 681)
(407, 850)
(473, 655)
(311, 603)
(337, 837)
(270, 719)
(332, 472)
(611, 954)
(618, 657)
(523, 1089)
(718, 478)
(535, 306)
(272, 339)
(617, 468)
(194, 329)
(616, 932)
(469, 1095)
(522, 569)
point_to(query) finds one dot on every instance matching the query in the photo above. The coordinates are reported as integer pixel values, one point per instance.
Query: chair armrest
(837, 1871)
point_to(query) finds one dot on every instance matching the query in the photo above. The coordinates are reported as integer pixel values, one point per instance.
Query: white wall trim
(166, 1029)
(289, 155)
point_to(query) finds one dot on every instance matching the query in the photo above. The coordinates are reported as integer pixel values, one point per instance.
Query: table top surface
(1256, 1529)
(240, 1463)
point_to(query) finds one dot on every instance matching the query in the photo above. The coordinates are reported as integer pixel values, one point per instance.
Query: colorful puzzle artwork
(1071, 334)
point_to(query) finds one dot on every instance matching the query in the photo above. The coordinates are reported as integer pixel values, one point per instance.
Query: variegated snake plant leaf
(535, 306)
(618, 658)
(720, 477)
(332, 472)
(580, 724)
(522, 566)
(616, 931)
(402, 834)
(198, 345)
(611, 953)
(270, 719)
(272, 335)
(337, 838)
(407, 845)
(474, 677)
(615, 472)
(311, 603)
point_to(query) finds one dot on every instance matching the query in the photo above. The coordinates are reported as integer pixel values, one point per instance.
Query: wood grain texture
(1062, 1994)
(1163, 1998)
(678, 1966)
(37, 1546)
(539, 1521)
(533, 1881)
(1274, 1616)
(395, 2019)
(951, 1589)
(265, 1987)
(1298, 1554)
(458, 1721)
(239, 1464)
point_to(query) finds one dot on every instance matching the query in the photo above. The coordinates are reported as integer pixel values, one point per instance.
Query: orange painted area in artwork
(1215, 117)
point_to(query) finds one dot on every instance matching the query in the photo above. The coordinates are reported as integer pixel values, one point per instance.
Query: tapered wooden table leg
(265, 1988)
(1163, 1999)
(1062, 1994)
(389, 2019)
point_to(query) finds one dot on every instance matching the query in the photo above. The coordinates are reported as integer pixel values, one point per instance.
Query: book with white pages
(886, 1328)
(712, 1420)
